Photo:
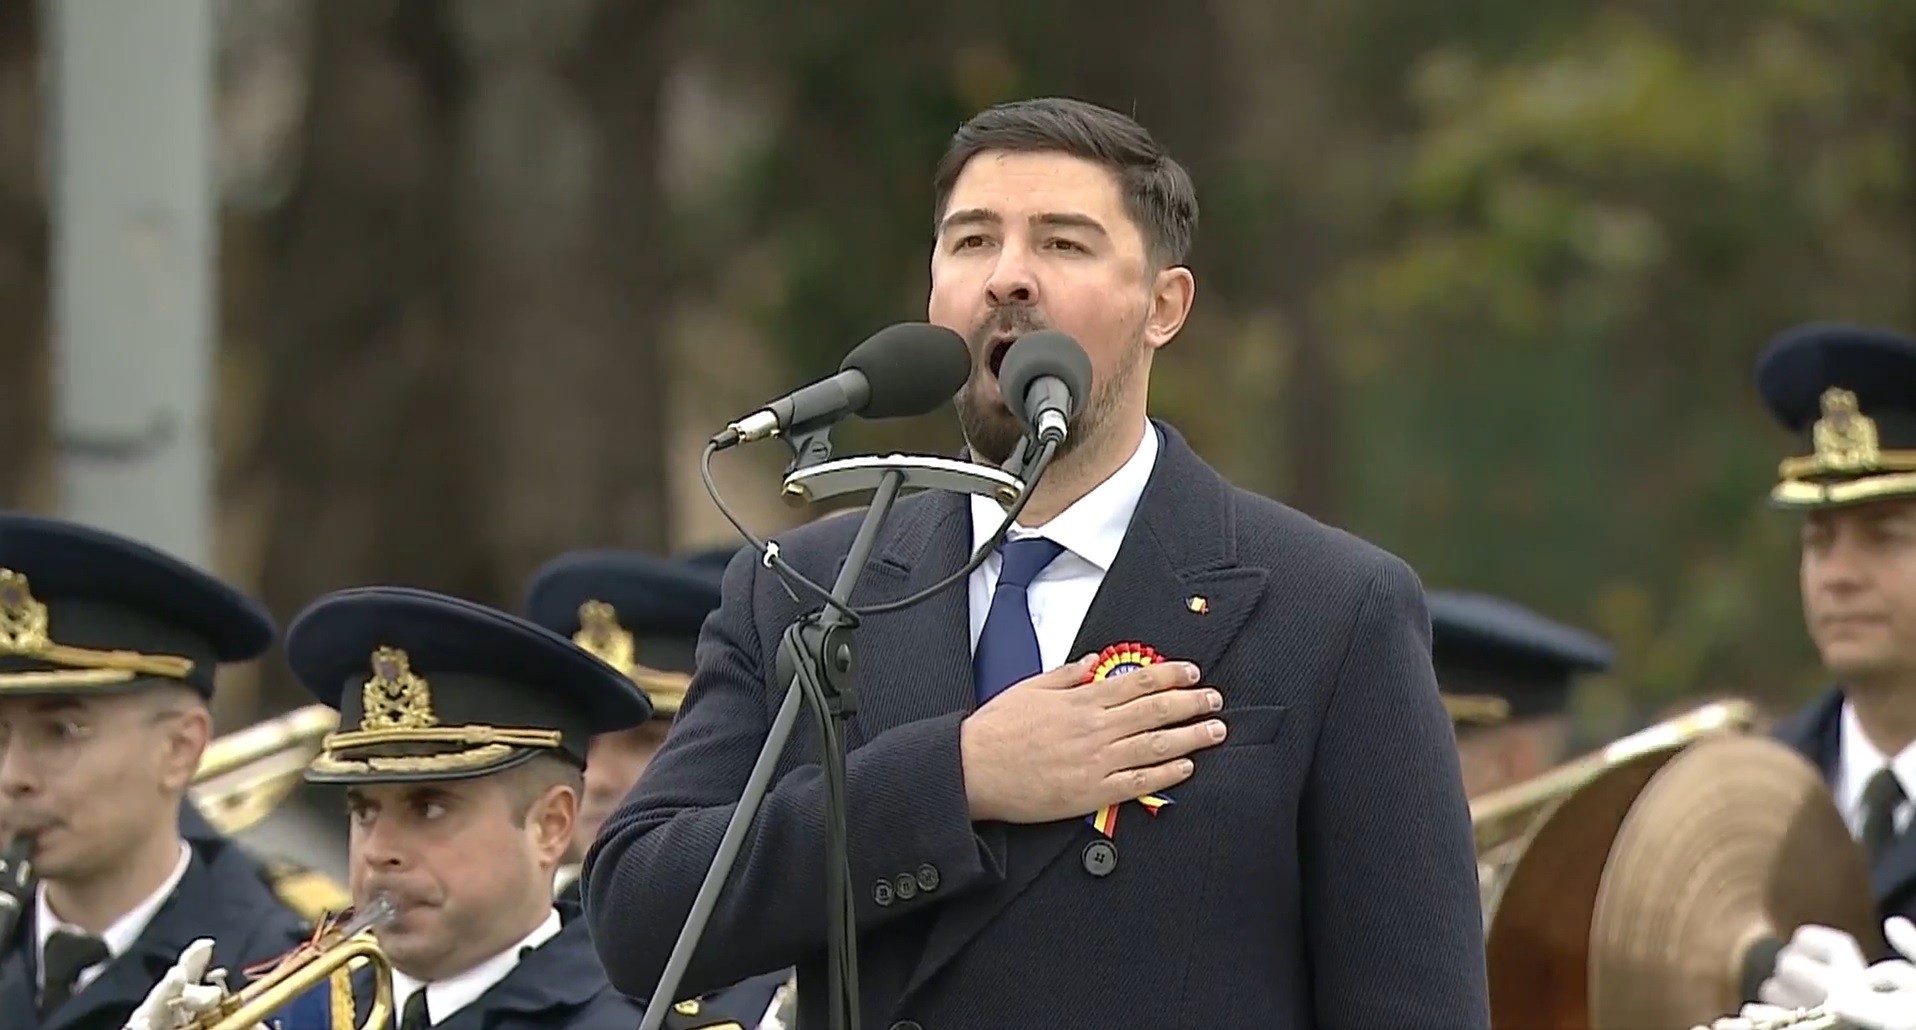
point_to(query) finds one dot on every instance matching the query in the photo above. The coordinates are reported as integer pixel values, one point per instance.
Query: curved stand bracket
(864, 473)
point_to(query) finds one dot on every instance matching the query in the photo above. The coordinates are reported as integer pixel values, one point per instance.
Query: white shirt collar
(1093, 526)
(445, 997)
(119, 937)
(1859, 761)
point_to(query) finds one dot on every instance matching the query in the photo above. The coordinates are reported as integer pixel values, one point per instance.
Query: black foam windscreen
(1046, 352)
(911, 368)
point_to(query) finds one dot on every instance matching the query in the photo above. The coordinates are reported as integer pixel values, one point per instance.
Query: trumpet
(330, 952)
(1501, 817)
(16, 883)
(244, 775)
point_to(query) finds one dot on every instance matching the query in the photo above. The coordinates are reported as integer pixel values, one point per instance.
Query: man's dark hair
(1158, 194)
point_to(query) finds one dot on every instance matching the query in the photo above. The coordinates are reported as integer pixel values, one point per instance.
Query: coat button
(907, 1024)
(881, 893)
(907, 887)
(927, 877)
(1100, 858)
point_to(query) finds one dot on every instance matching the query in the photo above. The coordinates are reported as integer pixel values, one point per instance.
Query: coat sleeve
(907, 817)
(1393, 923)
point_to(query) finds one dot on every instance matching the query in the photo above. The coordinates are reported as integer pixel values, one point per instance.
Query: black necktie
(415, 1017)
(64, 957)
(1881, 798)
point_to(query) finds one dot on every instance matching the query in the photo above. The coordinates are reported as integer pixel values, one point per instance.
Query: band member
(108, 650)
(641, 614)
(1173, 755)
(1489, 649)
(1849, 395)
(463, 736)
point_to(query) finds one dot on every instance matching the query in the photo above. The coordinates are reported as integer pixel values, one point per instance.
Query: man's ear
(551, 820)
(187, 728)
(1173, 292)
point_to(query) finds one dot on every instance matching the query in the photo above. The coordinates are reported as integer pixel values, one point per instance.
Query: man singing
(1265, 828)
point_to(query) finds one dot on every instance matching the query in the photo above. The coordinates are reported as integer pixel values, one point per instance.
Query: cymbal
(1733, 841)
(1537, 939)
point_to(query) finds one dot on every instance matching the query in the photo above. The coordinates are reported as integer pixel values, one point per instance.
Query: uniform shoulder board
(308, 892)
(686, 1015)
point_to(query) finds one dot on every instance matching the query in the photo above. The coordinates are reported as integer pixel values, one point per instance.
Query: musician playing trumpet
(463, 733)
(1851, 394)
(107, 656)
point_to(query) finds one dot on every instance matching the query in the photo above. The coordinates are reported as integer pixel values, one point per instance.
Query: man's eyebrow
(969, 216)
(1070, 220)
(1055, 219)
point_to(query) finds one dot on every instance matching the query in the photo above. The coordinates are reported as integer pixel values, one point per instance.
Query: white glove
(1816, 959)
(1884, 997)
(161, 1009)
(1753, 1016)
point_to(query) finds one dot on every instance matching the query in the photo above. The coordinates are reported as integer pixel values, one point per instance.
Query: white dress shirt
(1091, 530)
(118, 938)
(1857, 761)
(445, 997)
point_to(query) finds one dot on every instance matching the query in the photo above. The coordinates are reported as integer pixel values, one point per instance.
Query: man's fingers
(1161, 708)
(1070, 674)
(1129, 686)
(1157, 746)
(197, 956)
(1131, 784)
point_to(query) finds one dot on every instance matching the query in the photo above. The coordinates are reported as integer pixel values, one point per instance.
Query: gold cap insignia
(601, 634)
(394, 698)
(1845, 438)
(23, 620)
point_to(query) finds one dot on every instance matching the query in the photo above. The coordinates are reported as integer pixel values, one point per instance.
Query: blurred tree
(24, 415)
(1551, 354)
(465, 298)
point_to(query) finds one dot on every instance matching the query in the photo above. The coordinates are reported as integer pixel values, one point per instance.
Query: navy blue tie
(1008, 646)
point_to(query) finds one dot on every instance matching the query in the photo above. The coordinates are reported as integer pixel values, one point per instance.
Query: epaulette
(308, 892)
(690, 1015)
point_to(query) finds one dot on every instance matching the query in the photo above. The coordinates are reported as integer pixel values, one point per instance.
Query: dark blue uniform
(558, 984)
(642, 614)
(106, 615)
(1849, 395)
(432, 689)
(221, 896)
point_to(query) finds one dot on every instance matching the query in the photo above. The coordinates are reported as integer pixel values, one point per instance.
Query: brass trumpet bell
(333, 951)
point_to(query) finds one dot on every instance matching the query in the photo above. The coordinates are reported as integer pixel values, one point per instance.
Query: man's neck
(1886, 711)
(97, 902)
(1071, 477)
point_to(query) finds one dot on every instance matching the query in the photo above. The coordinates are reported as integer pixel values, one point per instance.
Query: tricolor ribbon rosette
(1117, 660)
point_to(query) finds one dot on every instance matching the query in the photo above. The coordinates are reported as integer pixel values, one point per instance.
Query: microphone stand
(817, 657)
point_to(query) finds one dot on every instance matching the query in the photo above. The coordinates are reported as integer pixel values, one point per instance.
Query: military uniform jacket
(556, 986)
(1816, 731)
(1317, 871)
(221, 896)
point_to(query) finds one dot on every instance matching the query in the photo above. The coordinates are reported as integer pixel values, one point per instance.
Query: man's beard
(993, 431)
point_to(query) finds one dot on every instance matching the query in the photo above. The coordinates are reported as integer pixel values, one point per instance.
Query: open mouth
(995, 356)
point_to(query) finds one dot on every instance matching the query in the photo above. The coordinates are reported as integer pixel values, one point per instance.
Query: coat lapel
(559, 976)
(1180, 549)
(18, 1006)
(1816, 732)
(127, 979)
(916, 663)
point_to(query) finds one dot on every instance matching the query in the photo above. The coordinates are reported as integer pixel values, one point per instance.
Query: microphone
(1045, 378)
(902, 370)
